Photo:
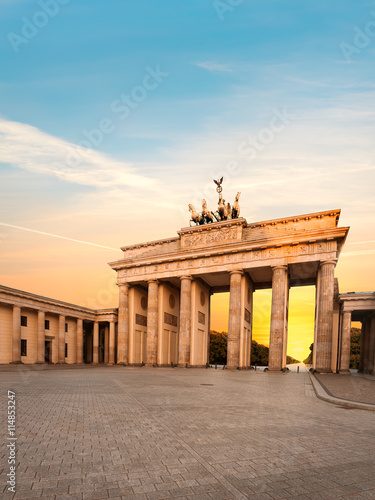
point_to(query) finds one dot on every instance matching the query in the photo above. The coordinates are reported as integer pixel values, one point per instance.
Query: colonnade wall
(358, 307)
(36, 329)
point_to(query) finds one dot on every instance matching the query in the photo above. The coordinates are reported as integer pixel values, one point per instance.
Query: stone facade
(240, 258)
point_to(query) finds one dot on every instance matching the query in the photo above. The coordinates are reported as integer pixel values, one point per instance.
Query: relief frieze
(206, 238)
(170, 319)
(247, 316)
(140, 320)
(201, 318)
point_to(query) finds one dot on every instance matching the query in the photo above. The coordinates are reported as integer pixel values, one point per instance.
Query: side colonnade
(43, 330)
(358, 307)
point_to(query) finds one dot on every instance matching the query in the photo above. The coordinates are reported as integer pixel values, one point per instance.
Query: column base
(16, 363)
(344, 372)
(275, 370)
(323, 370)
(183, 365)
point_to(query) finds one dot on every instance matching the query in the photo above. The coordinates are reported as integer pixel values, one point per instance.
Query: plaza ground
(144, 433)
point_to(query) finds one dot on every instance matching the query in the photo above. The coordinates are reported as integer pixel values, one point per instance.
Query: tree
(218, 347)
(309, 359)
(218, 351)
(259, 354)
(355, 347)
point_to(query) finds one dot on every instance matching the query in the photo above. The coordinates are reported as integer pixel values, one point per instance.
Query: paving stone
(158, 495)
(149, 434)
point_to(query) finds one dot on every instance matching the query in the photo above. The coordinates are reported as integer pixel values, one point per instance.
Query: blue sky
(225, 80)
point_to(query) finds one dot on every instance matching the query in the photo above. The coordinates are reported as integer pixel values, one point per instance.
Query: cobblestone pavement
(143, 433)
(350, 387)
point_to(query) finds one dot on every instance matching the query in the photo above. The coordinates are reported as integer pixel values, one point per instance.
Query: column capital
(124, 285)
(153, 281)
(237, 271)
(282, 266)
(186, 277)
(325, 262)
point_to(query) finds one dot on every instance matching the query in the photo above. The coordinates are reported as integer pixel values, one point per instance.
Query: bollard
(297, 369)
(215, 366)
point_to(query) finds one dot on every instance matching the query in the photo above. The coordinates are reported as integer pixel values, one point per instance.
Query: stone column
(16, 339)
(184, 336)
(366, 350)
(325, 318)
(111, 359)
(95, 344)
(234, 324)
(79, 341)
(345, 341)
(41, 346)
(61, 339)
(209, 327)
(123, 326)
(279, 318)
(362, 346)
(152, 323)
(371, 357)
(106, 343)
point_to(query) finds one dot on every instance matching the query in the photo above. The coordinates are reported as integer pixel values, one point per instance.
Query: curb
(322, 393)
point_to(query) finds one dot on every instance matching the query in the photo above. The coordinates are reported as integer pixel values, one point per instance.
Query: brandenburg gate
(165, 287)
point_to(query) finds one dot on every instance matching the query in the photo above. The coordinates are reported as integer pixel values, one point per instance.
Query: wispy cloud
(57, 236)
(213, 66)
(360, 242)
(358, 252)
(29, 148)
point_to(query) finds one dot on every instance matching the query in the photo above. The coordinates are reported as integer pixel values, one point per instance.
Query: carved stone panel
(247, 315)
(201, 318)
(140, 320)
(209, 237)
(170, 319)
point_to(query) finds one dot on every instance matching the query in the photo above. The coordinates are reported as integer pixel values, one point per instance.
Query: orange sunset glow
(107, 144)
(79, 273)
